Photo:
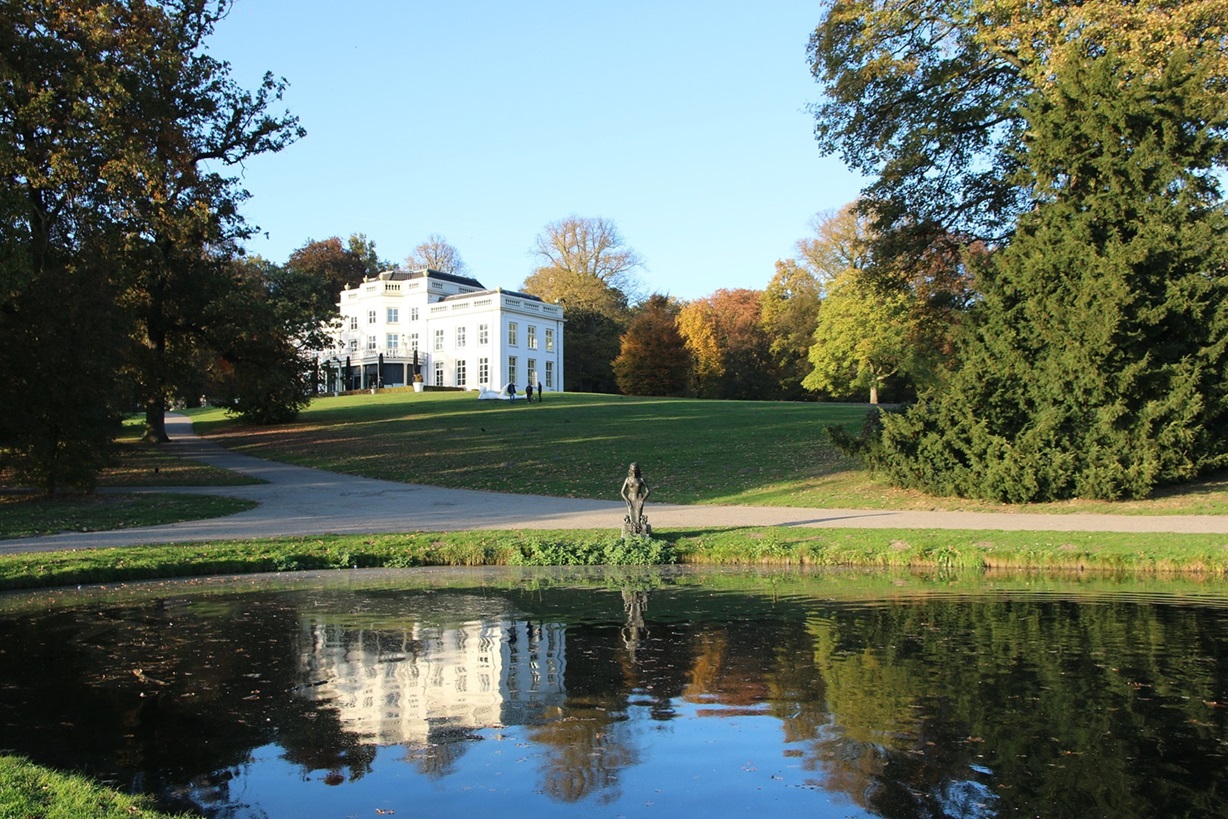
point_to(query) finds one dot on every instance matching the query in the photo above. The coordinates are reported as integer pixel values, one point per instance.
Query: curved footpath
(303, 501)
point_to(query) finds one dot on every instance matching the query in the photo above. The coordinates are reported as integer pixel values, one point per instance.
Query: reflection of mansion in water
(399, 688)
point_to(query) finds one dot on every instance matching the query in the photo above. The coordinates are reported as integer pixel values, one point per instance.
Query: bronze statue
(635, 491)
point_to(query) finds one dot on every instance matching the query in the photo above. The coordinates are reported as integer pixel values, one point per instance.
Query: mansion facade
(449, 330)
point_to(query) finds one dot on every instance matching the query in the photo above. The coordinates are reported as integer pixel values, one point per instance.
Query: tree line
(1037, 268)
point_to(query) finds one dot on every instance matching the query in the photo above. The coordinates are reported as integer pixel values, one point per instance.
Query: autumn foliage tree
(862, 339)
(579, 260)
(730, 351)
(585, 265)
(653, 358)
(316, 273)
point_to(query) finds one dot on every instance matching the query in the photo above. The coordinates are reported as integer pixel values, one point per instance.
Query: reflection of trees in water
(165, 697)
(589, 746)
(438, 759)
(934, 707)
(586, 740)
(946, 708)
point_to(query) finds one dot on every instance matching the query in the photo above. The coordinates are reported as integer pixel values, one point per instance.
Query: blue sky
(683, 122)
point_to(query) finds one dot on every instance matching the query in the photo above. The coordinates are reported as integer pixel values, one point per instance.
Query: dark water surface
(666, 694)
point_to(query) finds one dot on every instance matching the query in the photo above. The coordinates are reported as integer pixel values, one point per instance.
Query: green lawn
(142, 464)
(572, 444)
(23, 515)
(579, 445)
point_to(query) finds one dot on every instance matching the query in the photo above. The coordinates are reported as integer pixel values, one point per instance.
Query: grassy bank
(1080, 551)
(29, 791)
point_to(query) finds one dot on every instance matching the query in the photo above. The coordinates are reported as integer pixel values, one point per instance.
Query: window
(460, 337)
(370, 317)
(370, 342)
(484, 371)
(439, 341)
(413, 314)
(511, 333)
(392, 342)
(530, 370)
(353, 344)
(549, 340)
(413, 341)
(511, 369)
(393, 315)
(483, 334)
(353, 322)
(550, 374)
(461, 375)
(438, 373)
(531, 335)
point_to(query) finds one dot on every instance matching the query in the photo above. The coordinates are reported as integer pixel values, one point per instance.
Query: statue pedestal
(640, 528)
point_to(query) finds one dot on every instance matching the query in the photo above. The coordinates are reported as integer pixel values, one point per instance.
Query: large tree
(259, 368)
(789, 315)
(316, 273)
(585, 263)
(926, 97)
(862, 338)
(880, 319)
(59, 327)
(652, 357)
(592, 345)
(1084, 142)
(183, 125)
(729, 348)
(116, 131)
(435, 253)
(1097, 366)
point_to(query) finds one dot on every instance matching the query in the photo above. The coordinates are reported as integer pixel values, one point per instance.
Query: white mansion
(448, 329)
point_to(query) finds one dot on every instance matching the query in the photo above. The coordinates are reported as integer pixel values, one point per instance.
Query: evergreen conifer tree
(1097, 362)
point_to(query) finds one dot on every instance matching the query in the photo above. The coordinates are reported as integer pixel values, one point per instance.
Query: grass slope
(29, 791)
(579, 445)
(571, 445)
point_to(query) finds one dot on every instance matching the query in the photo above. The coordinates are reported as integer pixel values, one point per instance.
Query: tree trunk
(874, 393)
(155, 423)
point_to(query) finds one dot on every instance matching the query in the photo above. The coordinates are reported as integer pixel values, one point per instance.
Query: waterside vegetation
(760, 546)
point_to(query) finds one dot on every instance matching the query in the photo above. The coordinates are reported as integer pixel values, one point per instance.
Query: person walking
(511, 390)
(528, 393)
(539, 392)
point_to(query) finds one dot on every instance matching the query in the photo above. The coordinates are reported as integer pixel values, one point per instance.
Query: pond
(673, 692)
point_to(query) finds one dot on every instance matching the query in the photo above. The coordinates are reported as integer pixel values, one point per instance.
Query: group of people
(528, 392)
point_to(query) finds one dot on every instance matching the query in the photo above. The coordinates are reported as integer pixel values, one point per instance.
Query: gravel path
(302, 501)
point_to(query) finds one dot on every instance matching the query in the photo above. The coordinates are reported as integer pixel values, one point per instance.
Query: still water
(672, 693)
